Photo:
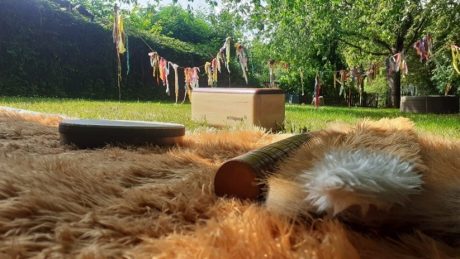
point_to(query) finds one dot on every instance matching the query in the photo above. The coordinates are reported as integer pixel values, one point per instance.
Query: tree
(101, 8)
(322, 33)
(289, 37)
(445, 31)
(206, 31)
(141, 18)
(182, 24)
(384, 28)
(224, 24)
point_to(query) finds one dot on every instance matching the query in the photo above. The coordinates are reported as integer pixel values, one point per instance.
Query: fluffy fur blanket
(58, 202)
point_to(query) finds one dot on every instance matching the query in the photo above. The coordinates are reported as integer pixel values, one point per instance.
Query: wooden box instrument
(263, 107)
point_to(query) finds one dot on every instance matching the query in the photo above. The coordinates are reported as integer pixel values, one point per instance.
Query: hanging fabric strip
(176, 79)
(187, 83)
(118, 31)
(317, 90)
(220, 60)
(128, 68)
(393, 64)
(118, 35)
(343, 76)
(396, 62)
(164, 73)
(187, 80)
(208, 71)
(168, 91)
(195, 78)
(338, 79)
(301, 81)
(214, 71)
(162, 70)
(403, 65)
(455, 57)
(423, 47)
(243, 60)
(227, 52)
(419, 50)
(223, 58)
(271, 65)
(161, 67)
(155, 63)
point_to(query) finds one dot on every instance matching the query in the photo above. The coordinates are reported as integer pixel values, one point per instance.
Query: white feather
(360, 177)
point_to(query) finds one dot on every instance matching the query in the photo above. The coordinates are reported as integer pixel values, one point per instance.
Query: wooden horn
(241, 177)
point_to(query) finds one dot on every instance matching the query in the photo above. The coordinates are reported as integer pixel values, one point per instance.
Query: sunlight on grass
(298, 117)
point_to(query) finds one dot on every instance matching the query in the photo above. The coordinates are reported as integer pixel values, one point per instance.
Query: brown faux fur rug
(58, 202)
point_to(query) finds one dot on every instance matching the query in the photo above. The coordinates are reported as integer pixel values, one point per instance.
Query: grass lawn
(298, 117)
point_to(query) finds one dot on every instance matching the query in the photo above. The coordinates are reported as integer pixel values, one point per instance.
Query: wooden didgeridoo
(241, 176)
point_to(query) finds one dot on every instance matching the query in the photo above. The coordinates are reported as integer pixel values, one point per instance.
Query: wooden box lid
(239, 90)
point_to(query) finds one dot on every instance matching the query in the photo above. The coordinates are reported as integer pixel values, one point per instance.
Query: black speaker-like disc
(99, 133)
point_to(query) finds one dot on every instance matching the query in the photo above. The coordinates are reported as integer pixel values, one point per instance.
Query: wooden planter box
(262, 107)
(430, 104)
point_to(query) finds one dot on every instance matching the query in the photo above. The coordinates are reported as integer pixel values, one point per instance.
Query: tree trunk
(361, 94)
(394, 82)
(396, 90)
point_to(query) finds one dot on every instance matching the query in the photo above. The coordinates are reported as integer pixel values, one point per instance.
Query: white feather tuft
(360, 177)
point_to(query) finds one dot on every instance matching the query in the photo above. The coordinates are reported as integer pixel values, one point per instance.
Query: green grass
(297, 117)
(146, 111)
(306, 116)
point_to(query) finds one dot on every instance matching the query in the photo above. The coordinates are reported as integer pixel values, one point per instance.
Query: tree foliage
(320, 35)
(142, 18)
(445, 30)
(182, 24)
(312, 36)
(102, 9)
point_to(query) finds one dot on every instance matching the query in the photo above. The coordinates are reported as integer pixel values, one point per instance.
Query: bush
(49, 52)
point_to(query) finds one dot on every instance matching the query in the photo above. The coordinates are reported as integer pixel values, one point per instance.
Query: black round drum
(98, 133)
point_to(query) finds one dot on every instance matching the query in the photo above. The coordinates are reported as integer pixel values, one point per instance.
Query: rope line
(181, 67)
